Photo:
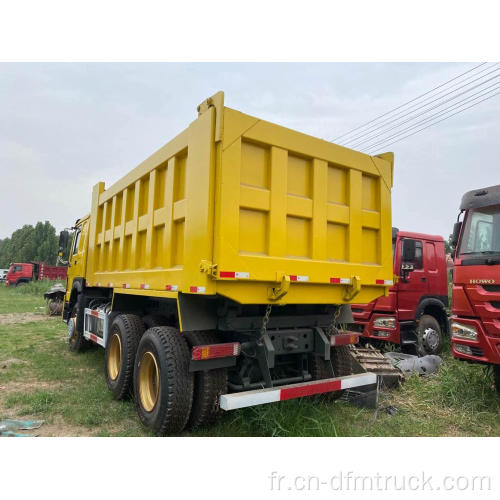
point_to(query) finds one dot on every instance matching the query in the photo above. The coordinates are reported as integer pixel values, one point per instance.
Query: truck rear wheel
(163, 385)
(341, 363)
(123, 339)
(154, 320)
(208, 385)
(429, 335)
(76, 341)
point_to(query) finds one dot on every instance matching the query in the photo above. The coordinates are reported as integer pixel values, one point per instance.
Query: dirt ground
(27, 317)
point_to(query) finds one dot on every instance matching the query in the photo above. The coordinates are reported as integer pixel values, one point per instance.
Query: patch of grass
(24, 298)
(13, 302)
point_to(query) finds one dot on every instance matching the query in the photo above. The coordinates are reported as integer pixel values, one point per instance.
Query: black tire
(496, 377)
(76, 341)
(429, 343)
(341, 362)
(123, 339)
(163, 385)
(208, 385)
(154, 320)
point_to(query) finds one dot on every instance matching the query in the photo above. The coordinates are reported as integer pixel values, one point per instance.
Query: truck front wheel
(76, 341)
(123, 338)
(163, 385)
(430, 337)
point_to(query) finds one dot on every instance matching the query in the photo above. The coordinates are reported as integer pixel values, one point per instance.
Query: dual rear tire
(153, 366)
(168, 397)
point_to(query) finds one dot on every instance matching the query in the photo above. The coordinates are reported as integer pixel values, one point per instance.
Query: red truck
(475, 324)
(413, 315)
(24, 272)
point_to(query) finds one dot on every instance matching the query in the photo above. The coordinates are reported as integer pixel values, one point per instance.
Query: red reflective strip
(93, 337)
(293, 277)
(142, 286)
(309, 390)
(124, 285)
(334, 280)
(227, 274)
(168, 287)
(380, 282)
(94, 313)
(193, 289)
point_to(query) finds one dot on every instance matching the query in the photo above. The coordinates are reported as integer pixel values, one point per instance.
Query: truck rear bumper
(486, 349)
(292, 391)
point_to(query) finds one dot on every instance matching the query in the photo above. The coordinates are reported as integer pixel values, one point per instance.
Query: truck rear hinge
(208, 268)
(353, 289)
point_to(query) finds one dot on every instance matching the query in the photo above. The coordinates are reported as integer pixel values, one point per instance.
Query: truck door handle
(424, 279)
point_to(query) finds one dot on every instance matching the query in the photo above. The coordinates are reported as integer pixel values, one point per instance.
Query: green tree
(447, 244)
(29, 243)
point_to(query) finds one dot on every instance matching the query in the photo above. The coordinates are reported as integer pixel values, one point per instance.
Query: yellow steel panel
(254, 165)
(337, 242)
(325, 217)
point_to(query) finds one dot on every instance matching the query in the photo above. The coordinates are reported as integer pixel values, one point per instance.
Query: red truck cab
(475, 324)
(24, 272)
(413, 315)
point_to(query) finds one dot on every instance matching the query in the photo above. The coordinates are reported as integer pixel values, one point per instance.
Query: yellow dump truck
(218, 273)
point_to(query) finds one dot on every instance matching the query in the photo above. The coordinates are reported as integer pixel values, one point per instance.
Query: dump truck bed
(249, 210)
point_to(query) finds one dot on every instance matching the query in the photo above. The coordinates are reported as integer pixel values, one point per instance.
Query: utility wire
(368, 134)
(414, 116)
(432, 124)
(460, 104)
(408, 102)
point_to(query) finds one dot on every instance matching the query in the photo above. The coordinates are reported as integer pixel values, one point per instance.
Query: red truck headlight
(388, 322)
(460, 331)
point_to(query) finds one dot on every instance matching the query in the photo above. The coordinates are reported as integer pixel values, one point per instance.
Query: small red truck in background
(413, 315)
(24, 272)
(475, 324)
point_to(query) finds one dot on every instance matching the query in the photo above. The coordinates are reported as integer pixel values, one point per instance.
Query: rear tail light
(212, 351)
(344, 339)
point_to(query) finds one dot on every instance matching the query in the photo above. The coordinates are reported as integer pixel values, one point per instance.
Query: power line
(460, 104)
(387, 130)
(368, 134)
(432, 124)
(412, 100)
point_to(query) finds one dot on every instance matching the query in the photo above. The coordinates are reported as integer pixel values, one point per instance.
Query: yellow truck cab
(218, 272)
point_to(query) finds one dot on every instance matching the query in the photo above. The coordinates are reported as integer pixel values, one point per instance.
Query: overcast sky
(64, 127)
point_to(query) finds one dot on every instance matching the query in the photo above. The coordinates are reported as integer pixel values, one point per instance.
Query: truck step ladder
(371, 360)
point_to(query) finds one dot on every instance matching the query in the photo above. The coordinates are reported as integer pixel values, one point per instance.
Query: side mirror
(63, 241)
(409, 250)
(455, 235)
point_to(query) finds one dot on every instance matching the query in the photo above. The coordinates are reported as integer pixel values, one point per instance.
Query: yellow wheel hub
(115, 357)
(74, 335)
(149, 381)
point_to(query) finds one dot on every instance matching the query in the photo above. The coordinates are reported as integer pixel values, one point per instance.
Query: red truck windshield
(481, 234)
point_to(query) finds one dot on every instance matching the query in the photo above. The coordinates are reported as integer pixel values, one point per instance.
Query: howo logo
(482, 282)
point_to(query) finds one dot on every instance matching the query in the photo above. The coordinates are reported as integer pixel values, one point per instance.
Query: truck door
(78, 254)
(410, 291)
(430, 268)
